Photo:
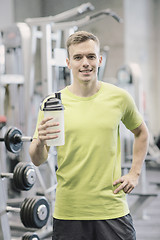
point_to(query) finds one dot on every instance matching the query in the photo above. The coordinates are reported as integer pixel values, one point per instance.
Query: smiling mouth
(86, 71)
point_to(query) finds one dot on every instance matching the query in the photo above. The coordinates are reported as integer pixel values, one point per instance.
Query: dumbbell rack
(37, 207)
(5, 228)
(4, 222)
(23, 176)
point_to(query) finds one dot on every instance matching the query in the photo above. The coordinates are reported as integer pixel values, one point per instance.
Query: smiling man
(90, 195)
(84, 60)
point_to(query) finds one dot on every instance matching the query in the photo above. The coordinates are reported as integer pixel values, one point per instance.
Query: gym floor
(148, 227)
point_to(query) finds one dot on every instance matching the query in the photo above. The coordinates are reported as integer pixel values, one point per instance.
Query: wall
(156, 81)
(12, 11)
(6, 13)
(141, 26)
(27, 9)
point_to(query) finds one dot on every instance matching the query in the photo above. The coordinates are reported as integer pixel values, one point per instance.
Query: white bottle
(53, 107)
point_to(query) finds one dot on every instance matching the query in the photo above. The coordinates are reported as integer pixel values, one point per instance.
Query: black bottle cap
(58, 95)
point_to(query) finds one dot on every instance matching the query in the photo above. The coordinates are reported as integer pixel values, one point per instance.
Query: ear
(68, 63)
(100, 60)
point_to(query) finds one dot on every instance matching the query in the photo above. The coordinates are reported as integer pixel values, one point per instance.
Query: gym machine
(14, 72)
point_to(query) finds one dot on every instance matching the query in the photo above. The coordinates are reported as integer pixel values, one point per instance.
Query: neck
(85, 89)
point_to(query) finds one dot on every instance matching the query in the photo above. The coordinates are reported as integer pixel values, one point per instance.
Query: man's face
(84, 61)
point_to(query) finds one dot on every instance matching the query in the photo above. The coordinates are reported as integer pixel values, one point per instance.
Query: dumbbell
(13, 140)
(24, 176)
(34, 212)
(30, 236)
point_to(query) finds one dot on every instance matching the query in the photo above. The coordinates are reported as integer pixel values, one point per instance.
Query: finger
(50, 134)
(126, 188)
(53, 131)
(46, 120)
(48, 137)
(52, 124)
(122, 186)
(48, 131)
(47, 125)
(120, 180)
(129, 188)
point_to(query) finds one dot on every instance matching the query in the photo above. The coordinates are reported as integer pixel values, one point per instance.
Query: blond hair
(79, 37)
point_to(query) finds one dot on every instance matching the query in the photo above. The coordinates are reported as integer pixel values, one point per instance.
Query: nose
(85, 62)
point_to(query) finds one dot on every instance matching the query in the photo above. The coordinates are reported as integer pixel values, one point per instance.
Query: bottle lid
(53, 103)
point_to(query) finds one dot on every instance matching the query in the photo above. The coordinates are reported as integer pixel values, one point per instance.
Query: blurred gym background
(32, 65)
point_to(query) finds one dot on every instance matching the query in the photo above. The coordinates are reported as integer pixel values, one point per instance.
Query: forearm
(140, 147)
(129, 181)
(38, 152)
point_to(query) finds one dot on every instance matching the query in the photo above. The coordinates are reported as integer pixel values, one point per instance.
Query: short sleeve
(131, 116)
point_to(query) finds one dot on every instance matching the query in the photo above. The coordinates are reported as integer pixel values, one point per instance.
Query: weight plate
(27, 213)
(23, 211)
(7, 143)
(30, 236)
(31, 213)
(29, 176)
(13, 144)
(16, 173)
(42, 212)
(34, 237)
(25, 237)
(38, 213)
(20, 177)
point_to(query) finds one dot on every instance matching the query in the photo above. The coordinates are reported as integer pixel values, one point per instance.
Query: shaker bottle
(53, 108)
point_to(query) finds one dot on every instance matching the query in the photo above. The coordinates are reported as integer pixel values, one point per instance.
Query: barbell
(30, 236)
(13, 140)
(34, 212)
(24, 176)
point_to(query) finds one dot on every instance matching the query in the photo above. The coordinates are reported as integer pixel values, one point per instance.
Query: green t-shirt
(90, 160)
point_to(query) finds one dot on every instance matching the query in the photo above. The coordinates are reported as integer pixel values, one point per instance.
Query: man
(90, 196)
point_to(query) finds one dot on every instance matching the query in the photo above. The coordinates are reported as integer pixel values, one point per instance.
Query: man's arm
(38, 149)
(140, 146)
(38, 152)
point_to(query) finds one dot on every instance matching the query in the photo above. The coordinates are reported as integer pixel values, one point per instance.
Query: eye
(91, 57)
(77, 58)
